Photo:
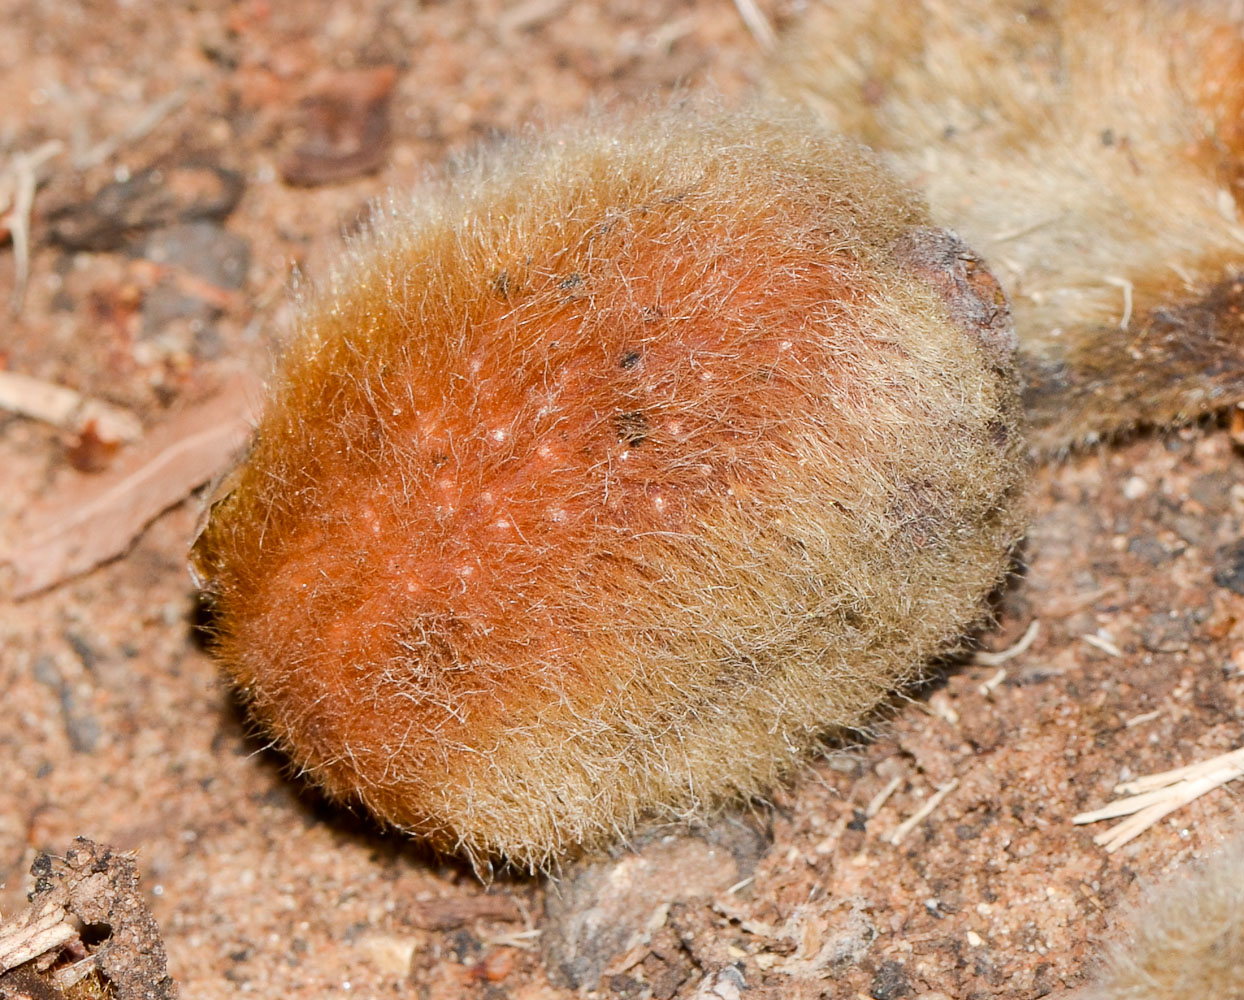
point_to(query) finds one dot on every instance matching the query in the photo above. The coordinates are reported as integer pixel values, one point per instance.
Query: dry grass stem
(879, 800)
(1157, 795)
(139, 129)
(1105, 644)
(1021, 646)
(65, 408)
(18, 183)
(923, 812)
(757, 23)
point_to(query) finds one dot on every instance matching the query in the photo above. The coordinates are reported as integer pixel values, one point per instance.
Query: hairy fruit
(612, 472)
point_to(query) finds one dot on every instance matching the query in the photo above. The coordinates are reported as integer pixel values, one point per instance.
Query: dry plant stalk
(1151, 798)
(66, 408)
(41, 949)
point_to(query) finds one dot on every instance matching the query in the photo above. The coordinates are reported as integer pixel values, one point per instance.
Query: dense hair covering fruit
(612, 471)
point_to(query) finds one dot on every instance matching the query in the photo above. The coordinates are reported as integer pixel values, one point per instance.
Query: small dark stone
(85, 652)
(890, 982)
(208, 252)
(1149, 549)
(666, 977)
(1229, 567)
(203, 249)
(603, 903)
(1195, 530)
(207, 345)
(625, 987)
(1213, 492)
(46, 672)
(1161, 633)
(166, 305)
(81, 726)
(151, 198)
(464, 945)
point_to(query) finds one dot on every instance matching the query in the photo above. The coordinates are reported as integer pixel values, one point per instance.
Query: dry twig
(42, 952)
(756, 22)
(18, 182)
(1155, 796)
(142, 126)
(1025, 641)
(64, 408)
(935, 800)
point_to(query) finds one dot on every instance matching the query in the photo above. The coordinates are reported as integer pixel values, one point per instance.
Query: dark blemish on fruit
(960, 278)
(571, 281)
(632, 427)
(629, 360)
(651, 314)
(501, 285)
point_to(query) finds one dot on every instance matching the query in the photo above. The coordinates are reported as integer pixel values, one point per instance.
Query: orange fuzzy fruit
(610, 474)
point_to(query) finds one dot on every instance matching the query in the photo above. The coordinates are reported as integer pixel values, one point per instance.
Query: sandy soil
(117, 726)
